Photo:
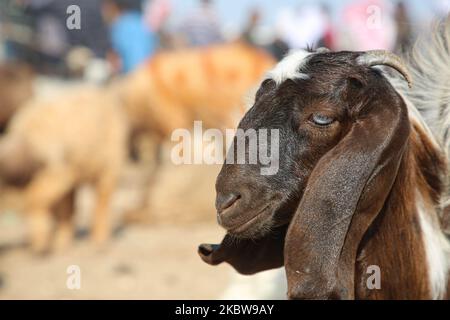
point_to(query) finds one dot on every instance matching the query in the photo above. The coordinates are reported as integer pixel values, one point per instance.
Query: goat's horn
(385, 58)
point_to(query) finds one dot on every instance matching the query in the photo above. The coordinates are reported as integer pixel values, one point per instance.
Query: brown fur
(349, 190)
(398, 249)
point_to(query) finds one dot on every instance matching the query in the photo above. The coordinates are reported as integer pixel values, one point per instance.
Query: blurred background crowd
(70, 74)
(126, 32)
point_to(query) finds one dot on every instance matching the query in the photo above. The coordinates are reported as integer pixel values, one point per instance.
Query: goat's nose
(224, 201)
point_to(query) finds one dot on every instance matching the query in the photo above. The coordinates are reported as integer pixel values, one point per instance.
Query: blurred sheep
(52, 146)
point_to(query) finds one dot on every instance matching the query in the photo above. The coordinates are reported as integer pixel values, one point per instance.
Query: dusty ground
(157, 260)
(140, 263)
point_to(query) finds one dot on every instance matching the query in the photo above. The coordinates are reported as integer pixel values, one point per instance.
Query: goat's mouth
(257, 218)
(246, 223)
(252, 225)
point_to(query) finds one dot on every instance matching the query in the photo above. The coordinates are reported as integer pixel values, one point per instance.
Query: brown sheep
(58, 144)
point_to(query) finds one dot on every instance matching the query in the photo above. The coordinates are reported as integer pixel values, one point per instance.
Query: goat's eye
(321, 120)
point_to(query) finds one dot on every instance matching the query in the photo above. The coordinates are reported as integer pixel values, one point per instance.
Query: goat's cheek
(323, 141)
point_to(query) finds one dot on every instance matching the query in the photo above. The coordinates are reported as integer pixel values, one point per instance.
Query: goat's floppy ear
(345, 192)
(247, 256)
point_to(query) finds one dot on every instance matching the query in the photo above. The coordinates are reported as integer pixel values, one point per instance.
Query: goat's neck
(406, 241)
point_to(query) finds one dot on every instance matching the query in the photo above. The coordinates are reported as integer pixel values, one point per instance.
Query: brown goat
(361, 183)
(56, 144)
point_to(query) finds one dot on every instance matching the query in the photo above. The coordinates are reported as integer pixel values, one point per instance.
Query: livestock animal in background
(175, 88)
(363, 180)
(16, 87)
(51, 147)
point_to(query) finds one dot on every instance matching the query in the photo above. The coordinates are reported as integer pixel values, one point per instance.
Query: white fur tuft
(289, 67)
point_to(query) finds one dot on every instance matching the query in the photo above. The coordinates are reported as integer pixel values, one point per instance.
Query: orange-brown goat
(175, 88)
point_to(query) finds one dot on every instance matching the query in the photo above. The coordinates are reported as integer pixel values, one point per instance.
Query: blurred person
(201, 27)
(328, 39)
(441, 7)
(50, 35)
(278, 48)
(404, 29)
(54, 40)
(156, 15)
(93, 31)
(302, 27)
(15, 31)
(131, 40)
(255, 34)
(368, 25)
(249, 34)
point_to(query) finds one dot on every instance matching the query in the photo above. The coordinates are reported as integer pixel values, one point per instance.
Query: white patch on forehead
(289, 67)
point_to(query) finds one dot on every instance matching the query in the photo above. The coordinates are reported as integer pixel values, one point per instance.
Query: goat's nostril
(224, 201)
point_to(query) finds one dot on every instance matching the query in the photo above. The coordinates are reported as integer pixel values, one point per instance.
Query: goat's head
(342, 132)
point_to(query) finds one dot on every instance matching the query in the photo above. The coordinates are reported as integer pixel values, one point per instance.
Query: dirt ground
(139, 263)
(155, 260)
